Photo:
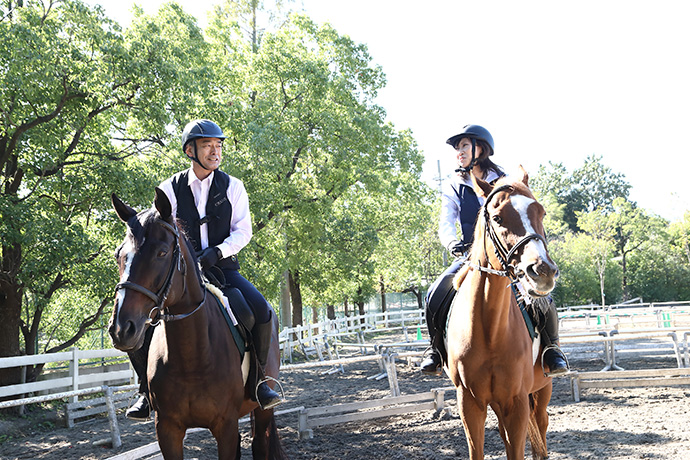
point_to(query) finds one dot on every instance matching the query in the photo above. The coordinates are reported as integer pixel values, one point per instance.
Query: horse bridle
(157, 313)
(502, 253)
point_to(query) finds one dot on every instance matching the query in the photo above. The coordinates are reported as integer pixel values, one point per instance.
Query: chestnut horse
(194, 367)
(490, 351)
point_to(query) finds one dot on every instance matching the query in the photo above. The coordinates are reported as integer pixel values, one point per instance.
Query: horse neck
(190, 333)
(491, 302)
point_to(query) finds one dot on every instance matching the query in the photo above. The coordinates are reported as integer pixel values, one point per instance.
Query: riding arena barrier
(609, 333)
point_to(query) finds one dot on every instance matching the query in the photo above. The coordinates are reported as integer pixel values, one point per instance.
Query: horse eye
(162, 253)
(497, 219)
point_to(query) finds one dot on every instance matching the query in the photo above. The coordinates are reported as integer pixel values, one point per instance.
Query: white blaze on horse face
(129, 251)
(521, 204)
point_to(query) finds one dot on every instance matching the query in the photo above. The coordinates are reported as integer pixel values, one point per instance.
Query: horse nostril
(531, 271)
(129, 330)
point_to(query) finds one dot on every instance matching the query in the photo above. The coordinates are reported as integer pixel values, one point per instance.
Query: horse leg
(473, 421)
(170, 436)
(501, 426)
(515, 415)
(266, 443)
(539, 422)
(228, 438)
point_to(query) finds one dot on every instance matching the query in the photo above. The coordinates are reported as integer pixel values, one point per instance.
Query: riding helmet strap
(196, 156)
(472, 162)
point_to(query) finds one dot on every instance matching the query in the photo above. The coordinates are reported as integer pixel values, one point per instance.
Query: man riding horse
(459, 204)
(213, 209)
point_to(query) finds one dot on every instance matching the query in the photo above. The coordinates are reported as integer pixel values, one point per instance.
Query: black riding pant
(438, 300)
(256, 301)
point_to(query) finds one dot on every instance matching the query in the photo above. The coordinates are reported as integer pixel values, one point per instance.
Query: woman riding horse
(459, 204)
(493, 354)
(214, 211)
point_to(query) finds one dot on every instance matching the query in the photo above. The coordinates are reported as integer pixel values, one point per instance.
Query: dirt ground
(608, 423)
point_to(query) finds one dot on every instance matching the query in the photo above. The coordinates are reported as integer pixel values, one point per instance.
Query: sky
(551, 80)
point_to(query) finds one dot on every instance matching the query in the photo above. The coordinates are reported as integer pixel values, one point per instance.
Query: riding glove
(458, 248)
(209, 257)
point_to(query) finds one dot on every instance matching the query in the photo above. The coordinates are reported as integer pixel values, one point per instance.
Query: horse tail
(275, 448)
(535, 438)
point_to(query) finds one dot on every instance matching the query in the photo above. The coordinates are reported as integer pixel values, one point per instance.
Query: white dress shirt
(241, 223)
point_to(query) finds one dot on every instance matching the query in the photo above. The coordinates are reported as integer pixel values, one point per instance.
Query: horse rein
(157, 313)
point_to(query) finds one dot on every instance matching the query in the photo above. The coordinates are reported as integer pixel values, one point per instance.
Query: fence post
(439, 399)
(392, 374)
(303, 431)
(74, 372)
(112, 417)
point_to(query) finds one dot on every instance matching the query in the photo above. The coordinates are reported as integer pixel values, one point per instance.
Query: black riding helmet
(474, 133)
(198, 129)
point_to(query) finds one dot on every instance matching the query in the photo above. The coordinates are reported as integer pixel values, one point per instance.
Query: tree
(307, 137)
(591, 187)
(82, 104)
(630, 228)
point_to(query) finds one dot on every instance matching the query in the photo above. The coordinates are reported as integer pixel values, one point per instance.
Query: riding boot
(265, 395)
(140, 410)
(431, 364)
(553, 356)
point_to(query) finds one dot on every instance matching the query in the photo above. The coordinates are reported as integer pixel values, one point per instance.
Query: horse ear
(525, 176)
(163, 205)
(481, 187)
(123, 211)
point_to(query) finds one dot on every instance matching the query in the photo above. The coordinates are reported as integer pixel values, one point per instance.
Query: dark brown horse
(490, 352)
(194, 368)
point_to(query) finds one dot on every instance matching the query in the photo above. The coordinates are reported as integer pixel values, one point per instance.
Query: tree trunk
(417, 294)
(626, 294)
(314, 315)
(345, 306)
(330, 311)
(296, 297)
(10, 316)
(285, 314)
(382, 289)
(601, 286)
(360, 305)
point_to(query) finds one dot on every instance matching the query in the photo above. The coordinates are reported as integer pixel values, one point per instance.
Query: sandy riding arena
(612, 423)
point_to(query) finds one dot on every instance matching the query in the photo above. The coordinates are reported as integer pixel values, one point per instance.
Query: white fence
(323, 339)
(666, 326)
(81, 375)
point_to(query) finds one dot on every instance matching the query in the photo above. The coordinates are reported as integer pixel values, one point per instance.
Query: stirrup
(140, 410)
(560, 352)
(281, 395)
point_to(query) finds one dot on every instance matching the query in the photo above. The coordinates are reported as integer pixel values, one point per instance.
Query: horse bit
(156, 315)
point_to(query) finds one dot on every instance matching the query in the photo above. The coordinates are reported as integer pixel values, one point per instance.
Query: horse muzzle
(127, 335)
(540, 277)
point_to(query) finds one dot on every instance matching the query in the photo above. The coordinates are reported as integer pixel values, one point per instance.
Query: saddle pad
(232, 322)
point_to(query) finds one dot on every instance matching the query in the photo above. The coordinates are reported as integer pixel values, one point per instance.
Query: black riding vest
(469, 210)
(218, 212)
